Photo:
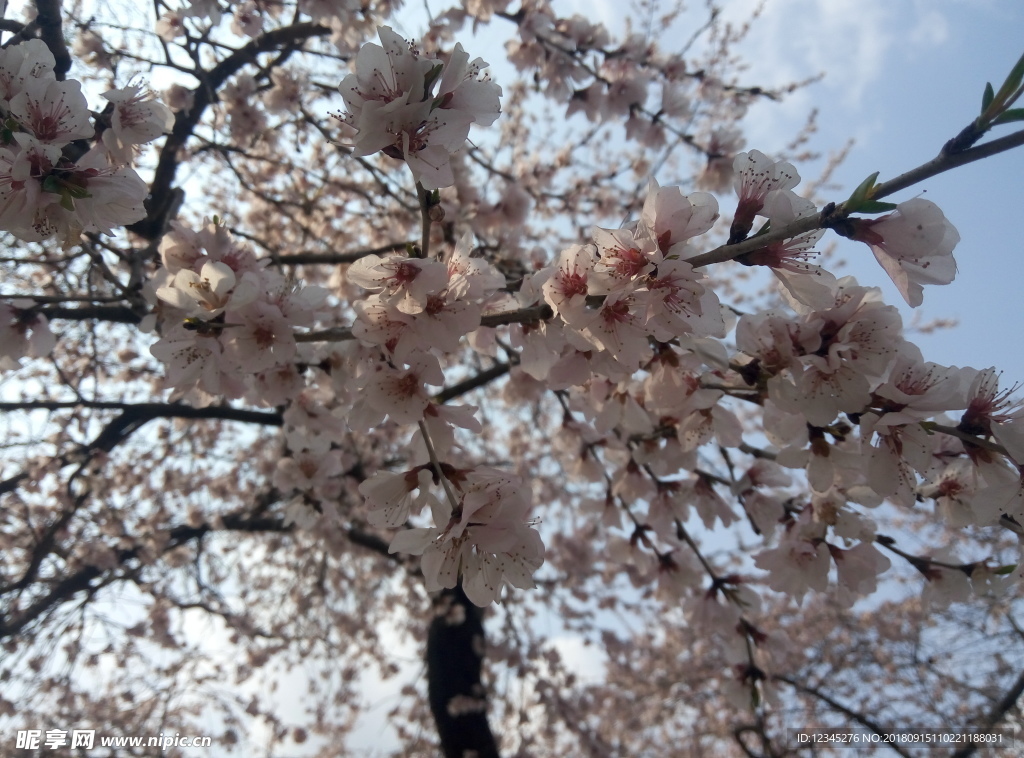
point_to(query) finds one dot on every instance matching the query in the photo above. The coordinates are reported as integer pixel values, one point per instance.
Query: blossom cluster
(637, 340)
(393, 107)
(48, 187)
(417, 312)
(230, 332)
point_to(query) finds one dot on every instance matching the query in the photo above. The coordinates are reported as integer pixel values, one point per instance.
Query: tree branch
(857, 717)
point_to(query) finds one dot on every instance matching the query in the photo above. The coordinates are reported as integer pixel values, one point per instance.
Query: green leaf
(1004, 570)
(862, 193)
(1014, 114)
(67, 203)
(986, 99)
(1013, 81)
(76, 191)
(431, 78)
(875, 206)
(52, 184)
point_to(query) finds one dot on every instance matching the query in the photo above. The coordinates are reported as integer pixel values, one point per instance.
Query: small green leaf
(431, 77)
(1004, 570)
(1014, 114)
(862, 193)
(875, 206)
(52, 184)
(76, 191)
(1013, 81)
(67, 203)
(986, 99)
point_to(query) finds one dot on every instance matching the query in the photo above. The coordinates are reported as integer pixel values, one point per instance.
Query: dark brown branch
(160, 203)
(860, 718)
(82, 580)
(474, 382)
(296, 259)
(132, 418)
(1006, 704)
(51, 32)
(118, 314)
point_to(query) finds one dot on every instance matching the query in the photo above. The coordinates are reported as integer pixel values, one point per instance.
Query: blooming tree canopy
(320, 343)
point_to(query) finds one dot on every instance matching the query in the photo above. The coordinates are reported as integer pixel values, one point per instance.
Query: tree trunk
(455, 654)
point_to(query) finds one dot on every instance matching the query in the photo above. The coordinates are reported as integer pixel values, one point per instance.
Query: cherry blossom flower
(858, 570)
(618, 328)
(622, 259)
(721, 151)
(23, 332)
(671, 218)
(755, 176)
(676, 303)
(568, 284)
(171, 25)
(390, 103)
(808, 285)
(211, 291)
(859, 338)
(992, 412)
(487, 541)
(54, 112)
(390, 496)
(801, 560)
(914, 245)
(260, 337)
(194, 360)
(136, 119)
(401, 394)
(247, 21)
(20, 65)
(307, 470)
(408, 282)
(954, 492)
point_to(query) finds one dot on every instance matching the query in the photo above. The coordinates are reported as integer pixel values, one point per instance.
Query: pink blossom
(567, 287)
(914, 245)
(21, 64)
(618, 328)
(390, 496)
(137, 119)
(259, 337)
(622, 258)
(858, 569)
(54, 112)
(677, 303)
(993, 412)
(390, 103)
(800, 562)
(247, 21)
(671, 218)
(487, 542)
(211, 291)
(808, 285)
(401, 394)
(408, 282)
(757, 175)
(23, 332)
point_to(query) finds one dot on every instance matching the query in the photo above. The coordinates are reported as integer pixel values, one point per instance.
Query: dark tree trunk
(455, 654)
